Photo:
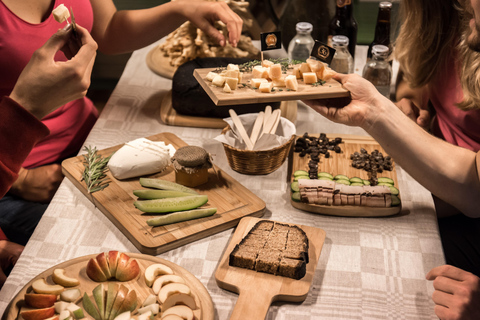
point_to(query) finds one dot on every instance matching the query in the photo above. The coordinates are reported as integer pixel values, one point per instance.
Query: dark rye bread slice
(189, 98)
(274, 248)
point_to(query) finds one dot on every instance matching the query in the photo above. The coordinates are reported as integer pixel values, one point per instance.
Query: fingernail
(222, 42)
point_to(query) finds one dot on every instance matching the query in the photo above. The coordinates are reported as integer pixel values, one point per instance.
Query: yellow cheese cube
(232, 66)
(309, 77)
(267, 63)
(240, 75)
(256, 82)
(232, 82)
(328, 74)
(316, 65)
(259, 72)
(266, 87)
(211, 75)
(60, 13)
(275, 71)
(280, 82)
(232, 73)
(226, 88)
(218, 81)
(304, 68)
(291, 82)
(296, 72)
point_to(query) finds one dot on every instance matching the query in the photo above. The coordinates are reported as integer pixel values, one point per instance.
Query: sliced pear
(120, 297)
(129, 303)
(179, 299)
(76, 311)
(110, 298)
(172, 288)
(155, 270)
(41, 286)
(99, 296)
(182, 311)
(166, 279)
(59, 277)
(172, 317)
(90, 308)
(151, 299)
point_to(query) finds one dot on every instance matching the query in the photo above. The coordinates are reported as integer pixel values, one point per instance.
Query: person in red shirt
(43, 86)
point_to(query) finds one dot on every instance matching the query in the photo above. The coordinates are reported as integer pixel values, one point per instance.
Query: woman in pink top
(24, 26)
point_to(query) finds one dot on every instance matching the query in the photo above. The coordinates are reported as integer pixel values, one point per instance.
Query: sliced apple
(179, 299)
(60, 306)
(127, 269)
(112, 261)
(102, 259)
(38, 314)
(59, 277)
(172, 317)
(40, 300)
(94, 271)
(154, 308)
(70, 295)
(41, 286)
(172, 288)
(90, 307)
(65, 314)
(182, 311)
(145, 316)
(130, 302)
(151, 299)
(76, 311)
(120, 297)
(53, 318)
(166, 279)
(155, 270)
(110, 298)
(99, 296)
(124, 316)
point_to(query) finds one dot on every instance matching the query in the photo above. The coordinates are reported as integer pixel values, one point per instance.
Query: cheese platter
(117, 202)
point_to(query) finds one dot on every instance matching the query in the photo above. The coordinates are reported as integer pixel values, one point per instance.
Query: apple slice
(65, 314)
(172, 317)
(155, 270)
(166, 279)
(124, 316)
(70, 295)
(94, 271)
(182, 311)
(38, 314)
(40, 300)
(130, 302)
(110, 298)
(151, 299)
(120, 297)
(90, 307)
(76, 311)
(59, 277)
(60, 306)
(99, 296)
(41, 286)
(154, 308)
(112, 261)
(145, 316)
(172, 288)
(179, 299)
(127, 269)
(102, 259)
(53, 318)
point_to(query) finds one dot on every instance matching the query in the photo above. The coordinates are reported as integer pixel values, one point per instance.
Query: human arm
(448, 171)
(457, 293)
(128, 30)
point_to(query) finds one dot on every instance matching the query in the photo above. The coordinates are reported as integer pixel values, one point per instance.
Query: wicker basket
(256, 162)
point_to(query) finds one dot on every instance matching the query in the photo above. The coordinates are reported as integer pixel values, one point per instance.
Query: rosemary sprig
(319, 83)
(94, 172)
(248, 66)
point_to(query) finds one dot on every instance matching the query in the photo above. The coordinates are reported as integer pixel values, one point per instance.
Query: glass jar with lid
(378, 71)
(342, 61)
(302, 44)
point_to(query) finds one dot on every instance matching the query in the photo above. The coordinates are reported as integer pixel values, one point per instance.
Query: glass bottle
(382, 28)
(378, 71)
(344, 23)
(302, 44)
(342, 61)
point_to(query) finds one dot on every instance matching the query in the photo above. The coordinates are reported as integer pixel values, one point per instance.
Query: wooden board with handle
(232, 200)
(76, 268)
(341, 164)
(257, 290)
(246, 94)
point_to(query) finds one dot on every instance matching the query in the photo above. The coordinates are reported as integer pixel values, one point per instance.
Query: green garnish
(319, 83)
(94, 172)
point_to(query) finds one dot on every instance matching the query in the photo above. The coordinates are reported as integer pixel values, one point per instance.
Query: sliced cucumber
(386, 180)
(171, 204)
(366, 182)
(159, 194)
(356, 180)
(325, 174)
(395, 201)
(343, 181)
(385, 184)
(341, 177)
(325, 178)
(356, 184)
(394, 190)
(300, 173)
(296, 196)
(294, 186)
(164, 185)
(300, 177)
(181, 216)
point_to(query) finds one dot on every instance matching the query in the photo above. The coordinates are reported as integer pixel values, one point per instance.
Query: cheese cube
(240, 75)
(280, 82)
(259, 72)
(227, 88)
(267, 63)
(291, 82)
(328, 74)
(266, 87)
(256, 82)
(232, 82)
(304, 67)
(315, 65)
(60, 13)
(275, 71)
(232, 73)
(232, 66)
(218, 81)
(309, 77)
(296, 72)
(211, 75)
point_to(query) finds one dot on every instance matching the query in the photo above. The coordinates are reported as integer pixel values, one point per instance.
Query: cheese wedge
(296, 72)
(232, 82)
(211, 75)
(218, 81)
(304, 68)
(280, 82)
(256, 82)
(259, 72)
(227, 88)
(275, 71)
(291, 82)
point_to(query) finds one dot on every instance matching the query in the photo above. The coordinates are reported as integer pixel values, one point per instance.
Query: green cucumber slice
(296, 196)
(356, 180)
(300, 177)
(164, 185)
(386, 180)
(325, 178)
(181, 216)
(171, 204)
(300, 173)
(341, 177)
(294, 186)
(394, 190)
(356, 184)
(395, 201)
(343, 181)
(366, 182)
(385, 184)
(325, 174)
(159, 194)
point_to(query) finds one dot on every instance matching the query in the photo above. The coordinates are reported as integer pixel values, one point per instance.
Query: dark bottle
(344, 24)
(382, 29)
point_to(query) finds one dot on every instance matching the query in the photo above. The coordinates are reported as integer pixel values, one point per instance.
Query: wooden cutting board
(340, 163)
(159, 63)
(77, 268)
(244, 95)
(257, 290)
(232, 200)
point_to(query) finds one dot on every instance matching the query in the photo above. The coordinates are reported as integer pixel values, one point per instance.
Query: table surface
(369, 267)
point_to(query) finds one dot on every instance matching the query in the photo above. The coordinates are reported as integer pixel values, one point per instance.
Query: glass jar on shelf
(302, 44)
(378, 71)
(342, 61)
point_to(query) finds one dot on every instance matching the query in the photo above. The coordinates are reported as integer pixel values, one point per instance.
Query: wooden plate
(257, 290)
(244, 95)
(340, 163)
(158, 63)
(76, 268)
(232, 200)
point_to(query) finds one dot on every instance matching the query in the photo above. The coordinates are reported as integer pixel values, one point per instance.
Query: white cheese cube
(232, 82)
(232, 66)
(259, 72)
(227, 88)
(267, 63)
(240, 75)
(232, 73)
(218, 81)
(266, 87)
(304, 68)
(309, 77)
(297, 72)
(275, 71)
(60, 13)
(291, 82)
(315, 65)
(280, 82)
(211, 75)
(256, 82)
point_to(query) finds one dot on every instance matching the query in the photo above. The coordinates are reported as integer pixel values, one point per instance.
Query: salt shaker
(342, 61)
(302, 44)
(378, 71)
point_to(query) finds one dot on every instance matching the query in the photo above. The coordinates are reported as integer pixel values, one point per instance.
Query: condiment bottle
(342, 61)
(344, 23)
(382, 28)
(378, 71)
(302, 44)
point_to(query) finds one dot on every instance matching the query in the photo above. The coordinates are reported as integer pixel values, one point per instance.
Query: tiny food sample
(110, 301)
(112, 265)
(274, 248)
(191, 165)
(140, 157)
(61, 13)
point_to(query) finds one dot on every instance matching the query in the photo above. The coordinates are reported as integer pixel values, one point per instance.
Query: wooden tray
(340, 163)
(257, 290)
(244, 95)
(76, 268)
(232, 200)
(169, 116)
(158, 63)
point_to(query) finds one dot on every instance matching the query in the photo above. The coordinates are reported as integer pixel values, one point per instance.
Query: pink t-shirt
(461, 128)
(68, 125)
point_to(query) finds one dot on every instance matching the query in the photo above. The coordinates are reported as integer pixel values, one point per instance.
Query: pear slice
(90, 307)
(179, 299)
(164, 280)
(119, 298)
(99, 296)
(41, 286)
(110, 298)
(172, 288)
(129, 303)
(59, 277)
(155, 270)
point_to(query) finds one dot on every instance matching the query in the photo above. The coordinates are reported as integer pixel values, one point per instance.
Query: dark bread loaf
(189, 98)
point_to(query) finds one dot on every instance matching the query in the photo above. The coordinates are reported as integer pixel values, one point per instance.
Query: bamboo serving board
(232, 200)
(257, 290)
(159, 63)
(340, 163)
(77, 268)
(244, 95)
